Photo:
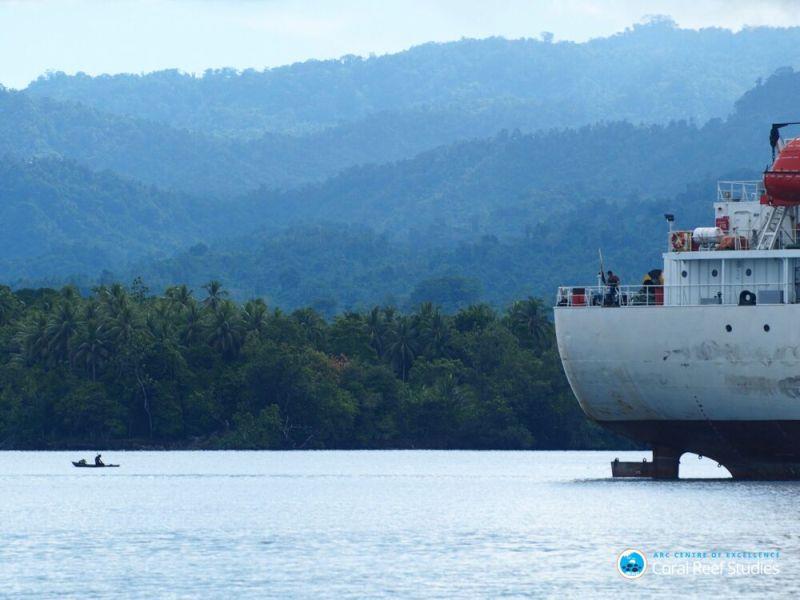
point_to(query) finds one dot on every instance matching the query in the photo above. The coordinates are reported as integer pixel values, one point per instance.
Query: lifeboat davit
(782, 181)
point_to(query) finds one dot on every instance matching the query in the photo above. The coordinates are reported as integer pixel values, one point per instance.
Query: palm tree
(225, 329)
(403, 348)
(192, 324)
(254, 316)
(31, 340)
(61, 330)
(376, 330)
(312, 324)
(70, 293)
(159, 321)
(529, 321)
(179, 297)
(437, 334)
(93, 349)
(215, 294)
(8, 305)
(426, 311)
(389, 314)
(474, 317)
(114, 297)
(123, 324)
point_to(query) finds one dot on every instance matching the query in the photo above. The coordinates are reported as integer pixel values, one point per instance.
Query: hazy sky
(112, 36)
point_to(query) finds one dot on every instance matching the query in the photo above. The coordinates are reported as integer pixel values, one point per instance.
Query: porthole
(684, 273)
(728, 328)
(748, 272)
(766, 327)
(714, 273)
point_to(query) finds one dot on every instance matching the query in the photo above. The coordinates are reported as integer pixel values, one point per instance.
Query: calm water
(372, 524)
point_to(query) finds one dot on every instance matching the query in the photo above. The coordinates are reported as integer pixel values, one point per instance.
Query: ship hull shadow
(750, 450)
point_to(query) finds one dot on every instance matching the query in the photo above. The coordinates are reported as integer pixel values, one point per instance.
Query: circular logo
(631, 564)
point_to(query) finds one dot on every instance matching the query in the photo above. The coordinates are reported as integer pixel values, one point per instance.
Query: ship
(704, 355)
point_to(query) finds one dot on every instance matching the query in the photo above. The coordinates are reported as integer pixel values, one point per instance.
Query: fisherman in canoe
(98, 463)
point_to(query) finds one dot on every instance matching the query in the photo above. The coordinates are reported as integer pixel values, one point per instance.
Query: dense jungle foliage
(122, 368)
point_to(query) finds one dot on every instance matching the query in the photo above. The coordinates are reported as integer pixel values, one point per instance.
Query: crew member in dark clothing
(612, 281)
(98, 461)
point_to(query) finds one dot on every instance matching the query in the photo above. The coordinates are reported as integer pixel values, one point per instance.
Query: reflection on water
(356, 524)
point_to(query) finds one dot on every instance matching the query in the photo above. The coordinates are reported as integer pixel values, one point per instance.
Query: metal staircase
(769, 234)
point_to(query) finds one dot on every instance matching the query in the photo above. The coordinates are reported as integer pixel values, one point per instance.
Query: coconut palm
(215, 294)
(8, 305)
(123, 324)
(376, 330)
(225, 330)
(437, 334)
(403, 347)
(530, 322)
(312, 324)
(254, 317)
(192, 324)
(114, 297)
(159, 320)
(92, 350)
(178, 297)
(31, 339)
(62, 327)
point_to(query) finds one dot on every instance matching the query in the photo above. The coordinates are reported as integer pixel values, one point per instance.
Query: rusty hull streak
(753, 386)
(790, 387)
(712, 350)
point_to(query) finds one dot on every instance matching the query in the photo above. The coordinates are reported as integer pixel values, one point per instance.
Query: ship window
(728, 328)
(748, 272)
(684, 273)
(766, 327)
(714, 273)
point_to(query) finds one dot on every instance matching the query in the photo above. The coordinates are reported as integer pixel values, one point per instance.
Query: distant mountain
(490, 219)
(197, 163)
(58, 218)
(652, 73)
(171, 158)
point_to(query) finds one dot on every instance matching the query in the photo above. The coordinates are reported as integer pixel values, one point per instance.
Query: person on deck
(612, 281)
(98, 461)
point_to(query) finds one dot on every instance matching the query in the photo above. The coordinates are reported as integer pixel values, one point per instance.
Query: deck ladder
(768, 235)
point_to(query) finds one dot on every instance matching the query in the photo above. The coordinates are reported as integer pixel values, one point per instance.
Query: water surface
(372, 524)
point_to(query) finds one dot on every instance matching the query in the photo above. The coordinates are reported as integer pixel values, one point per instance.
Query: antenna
(670, 219)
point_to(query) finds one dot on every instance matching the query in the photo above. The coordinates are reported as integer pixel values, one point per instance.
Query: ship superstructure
(704, 355)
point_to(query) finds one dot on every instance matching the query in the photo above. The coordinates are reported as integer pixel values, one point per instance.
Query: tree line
(122, 368)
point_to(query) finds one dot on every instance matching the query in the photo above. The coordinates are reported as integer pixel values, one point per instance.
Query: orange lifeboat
(782, 181)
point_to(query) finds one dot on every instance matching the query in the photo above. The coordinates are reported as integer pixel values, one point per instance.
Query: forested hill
(227, 133)
(492, 219)
(512, 182)
(58, 218)
(457, 224)
(652, 72)
(182, 160)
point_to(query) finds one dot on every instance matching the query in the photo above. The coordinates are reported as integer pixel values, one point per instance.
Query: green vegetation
(121, 368)
(650, 73)
(449, 175)
(476, 216)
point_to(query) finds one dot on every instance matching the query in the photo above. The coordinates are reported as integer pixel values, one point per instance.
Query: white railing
(603, 296)
(740, 191)
(739, 239)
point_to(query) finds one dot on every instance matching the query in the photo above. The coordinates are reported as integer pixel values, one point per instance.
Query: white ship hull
(675, 376)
